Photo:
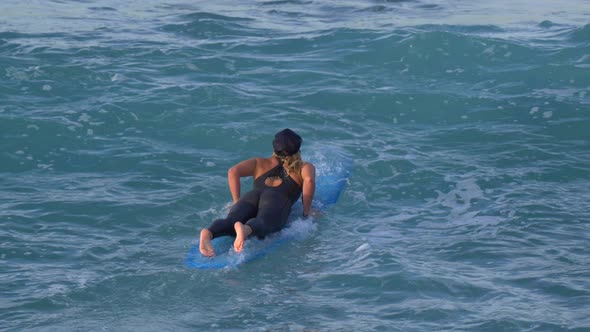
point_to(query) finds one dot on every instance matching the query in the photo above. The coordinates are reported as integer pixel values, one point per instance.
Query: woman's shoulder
(307, 164)
(264, 160)
(308, 168)
(263, 163)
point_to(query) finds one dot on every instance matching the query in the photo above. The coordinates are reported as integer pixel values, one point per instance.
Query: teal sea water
(467, 208)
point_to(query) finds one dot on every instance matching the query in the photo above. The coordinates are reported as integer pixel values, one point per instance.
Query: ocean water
(467, 208)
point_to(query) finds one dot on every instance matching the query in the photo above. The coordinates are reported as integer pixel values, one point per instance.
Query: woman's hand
(313, 214)
(308, 176)
(241, 169)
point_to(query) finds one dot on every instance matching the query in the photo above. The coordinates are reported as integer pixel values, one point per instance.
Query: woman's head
(286, 143)
(286, 146)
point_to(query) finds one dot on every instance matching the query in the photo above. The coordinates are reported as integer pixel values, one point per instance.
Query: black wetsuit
(265, 209)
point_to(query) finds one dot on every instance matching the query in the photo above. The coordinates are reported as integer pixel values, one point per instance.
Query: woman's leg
(244, 209)
(205, 246)
(272, 216)
(242, 233)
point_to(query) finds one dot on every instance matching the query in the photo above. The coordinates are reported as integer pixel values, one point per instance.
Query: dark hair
(286, 143)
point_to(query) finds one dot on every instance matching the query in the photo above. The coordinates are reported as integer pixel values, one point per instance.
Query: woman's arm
(241, 169)
(308, 176)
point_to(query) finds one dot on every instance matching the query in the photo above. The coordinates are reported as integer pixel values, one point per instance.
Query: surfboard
(331, 177)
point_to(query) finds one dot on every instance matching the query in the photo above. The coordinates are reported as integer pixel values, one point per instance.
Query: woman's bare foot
(205, 246)
(242, 233)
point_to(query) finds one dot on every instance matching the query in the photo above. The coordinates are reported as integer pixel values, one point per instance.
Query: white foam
(456, 70)
(459, 199)
(299, 229)
(84, 117)
(15, 74)
(117, 77)
(489, 50)
(362, 247)
(402, 216)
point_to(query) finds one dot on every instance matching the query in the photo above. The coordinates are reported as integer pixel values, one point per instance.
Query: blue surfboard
(331, 177)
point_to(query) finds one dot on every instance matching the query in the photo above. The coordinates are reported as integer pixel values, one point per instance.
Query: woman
(278, 182)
